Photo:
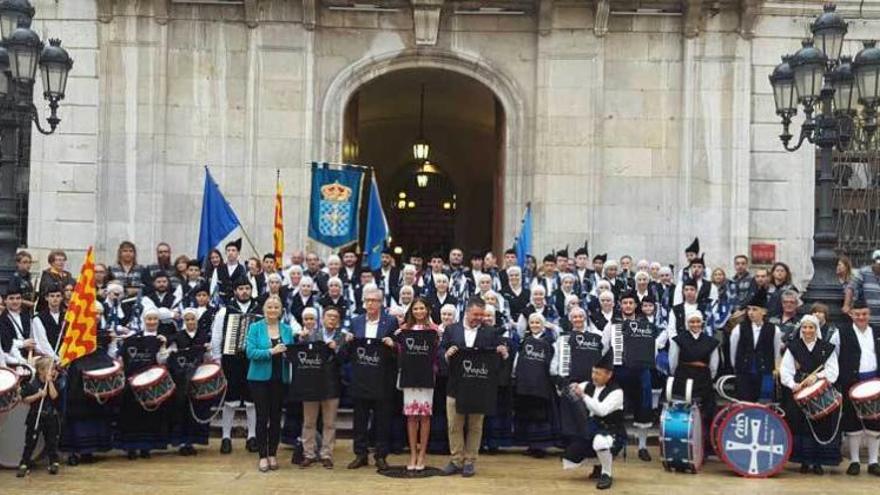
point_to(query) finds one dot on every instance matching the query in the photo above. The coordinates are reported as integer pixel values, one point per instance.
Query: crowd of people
(298, 340)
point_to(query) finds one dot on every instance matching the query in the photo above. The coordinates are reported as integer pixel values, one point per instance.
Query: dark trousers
(50, 429)
(381, 412)
(268, 396)
(754, 387)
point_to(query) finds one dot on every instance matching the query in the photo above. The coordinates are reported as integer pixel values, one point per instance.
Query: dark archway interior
(464, 122)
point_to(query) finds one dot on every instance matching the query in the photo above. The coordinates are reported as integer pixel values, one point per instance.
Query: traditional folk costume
(187, 351)
(605, 433)
(754, 351)
(816, 442)
(535, 419)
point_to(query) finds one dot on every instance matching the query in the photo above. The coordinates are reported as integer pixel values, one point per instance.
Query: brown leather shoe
(327, 463)
(307, 462)
(359, 461)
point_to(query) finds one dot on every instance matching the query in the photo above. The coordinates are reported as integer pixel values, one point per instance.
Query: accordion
(563, 350)
(235, 332)
(617, 343)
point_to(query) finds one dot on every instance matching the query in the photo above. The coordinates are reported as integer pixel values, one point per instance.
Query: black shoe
(358, 462)
(297, 457)
(132, 455)
(53, 468)
(86, 459)
(597, 471)
(805, 468)
(817, 469)
(145, 454)
(327, 463)
(604, 482)
(874, 469)
(251, 444)
(226, 446)
(644, 455)
(853, 469)
(73, 460)
(23, 471)
(381, 464)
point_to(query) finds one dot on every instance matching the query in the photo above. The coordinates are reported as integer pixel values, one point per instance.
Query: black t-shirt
(416, 361)
(475, 372)
(369, 359)
(314, 371)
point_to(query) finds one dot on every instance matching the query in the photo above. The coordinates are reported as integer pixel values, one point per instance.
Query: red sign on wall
(763, 253)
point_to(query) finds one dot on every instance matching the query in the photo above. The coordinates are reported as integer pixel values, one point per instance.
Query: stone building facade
(634, 124)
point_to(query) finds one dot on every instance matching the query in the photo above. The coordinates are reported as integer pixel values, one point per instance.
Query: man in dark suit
(373, 324)
(387, 277)
(469, 333)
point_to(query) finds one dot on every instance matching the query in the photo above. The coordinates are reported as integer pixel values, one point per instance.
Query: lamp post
(22, 53)
(839, 97)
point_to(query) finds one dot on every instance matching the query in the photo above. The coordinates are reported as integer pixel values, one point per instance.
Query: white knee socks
(873, 446)
(855, 442)
(605, 459)
(642, 434)
(251, 413)
(226, 420)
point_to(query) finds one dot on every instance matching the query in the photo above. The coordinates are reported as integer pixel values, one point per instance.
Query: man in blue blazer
(373, 324)
(469, 333)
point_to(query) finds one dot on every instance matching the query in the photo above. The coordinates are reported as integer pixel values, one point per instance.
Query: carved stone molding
(250, 13)
(603, 10)
(545, 17)
(310, 14)
(161, 12)
(693, 18)
(426, 21)
(104, 10)
(748, 16)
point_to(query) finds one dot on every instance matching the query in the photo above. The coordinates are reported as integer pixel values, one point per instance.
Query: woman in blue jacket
(268, 374)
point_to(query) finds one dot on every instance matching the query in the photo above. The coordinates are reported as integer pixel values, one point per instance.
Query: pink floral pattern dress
(419, 401)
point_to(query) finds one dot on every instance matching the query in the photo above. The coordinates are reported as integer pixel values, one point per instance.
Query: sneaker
(23, 471)
(604, 482)
(251, 445)
(597, 471)
(468, 470)
(53, 468)
(874, 469)
(358, 462)
(450, 469)
(226, 446)
(853, 469)
(644, 455)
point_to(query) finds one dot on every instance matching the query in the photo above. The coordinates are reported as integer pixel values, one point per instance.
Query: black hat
(236, 244)
(160, 274)
(690, 282)
(202, 287)
(859, 304)
(649, 298)
(601, 257)
(387, 250)
(630, 294)
(476, 255)
(51, 287)
(694, 247)
(550, 257)
(699, 260)
(12, 290)
(606, 362)
(582, 250)
(194, 263)
(758, 299)
(562, 253)
(241, 281)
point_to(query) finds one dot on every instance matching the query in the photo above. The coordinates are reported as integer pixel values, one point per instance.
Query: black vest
(850, 354)
(762, 355)
(586, 350)
(53, 329)
(613, 422)
(808, 360)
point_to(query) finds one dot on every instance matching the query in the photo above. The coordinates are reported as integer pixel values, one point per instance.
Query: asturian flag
(81, 319)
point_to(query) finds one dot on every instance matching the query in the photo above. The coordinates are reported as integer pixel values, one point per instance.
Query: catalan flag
(81, 320)
(278, 233)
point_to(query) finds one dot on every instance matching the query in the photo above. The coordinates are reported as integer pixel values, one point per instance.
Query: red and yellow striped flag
(278, 233)
(81, 320)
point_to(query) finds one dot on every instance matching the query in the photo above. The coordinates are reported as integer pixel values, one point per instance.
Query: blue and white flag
(377, 228)
(524, 239)
(334, 212)
(218, 218)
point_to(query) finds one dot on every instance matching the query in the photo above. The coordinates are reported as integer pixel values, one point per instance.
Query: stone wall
(635, 137)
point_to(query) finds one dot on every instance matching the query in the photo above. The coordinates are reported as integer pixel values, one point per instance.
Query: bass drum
(12, 433)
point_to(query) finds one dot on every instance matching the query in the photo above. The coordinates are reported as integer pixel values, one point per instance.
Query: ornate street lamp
(839, 96)
(11, 12)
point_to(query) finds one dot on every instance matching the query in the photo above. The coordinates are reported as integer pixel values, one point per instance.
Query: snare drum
(152, 387)
(865, 398)
(819, 399)
(9, 390)
(681, 437)
(105, 383)
(207, 382)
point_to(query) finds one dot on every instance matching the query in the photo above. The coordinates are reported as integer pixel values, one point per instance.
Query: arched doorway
(458, 200)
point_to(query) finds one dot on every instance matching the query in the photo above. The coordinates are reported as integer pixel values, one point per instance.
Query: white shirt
(672, 325)
(756, 334)
(371, 329)
(613, 401)
(470, 336)
(44, 347)
(788, 368)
